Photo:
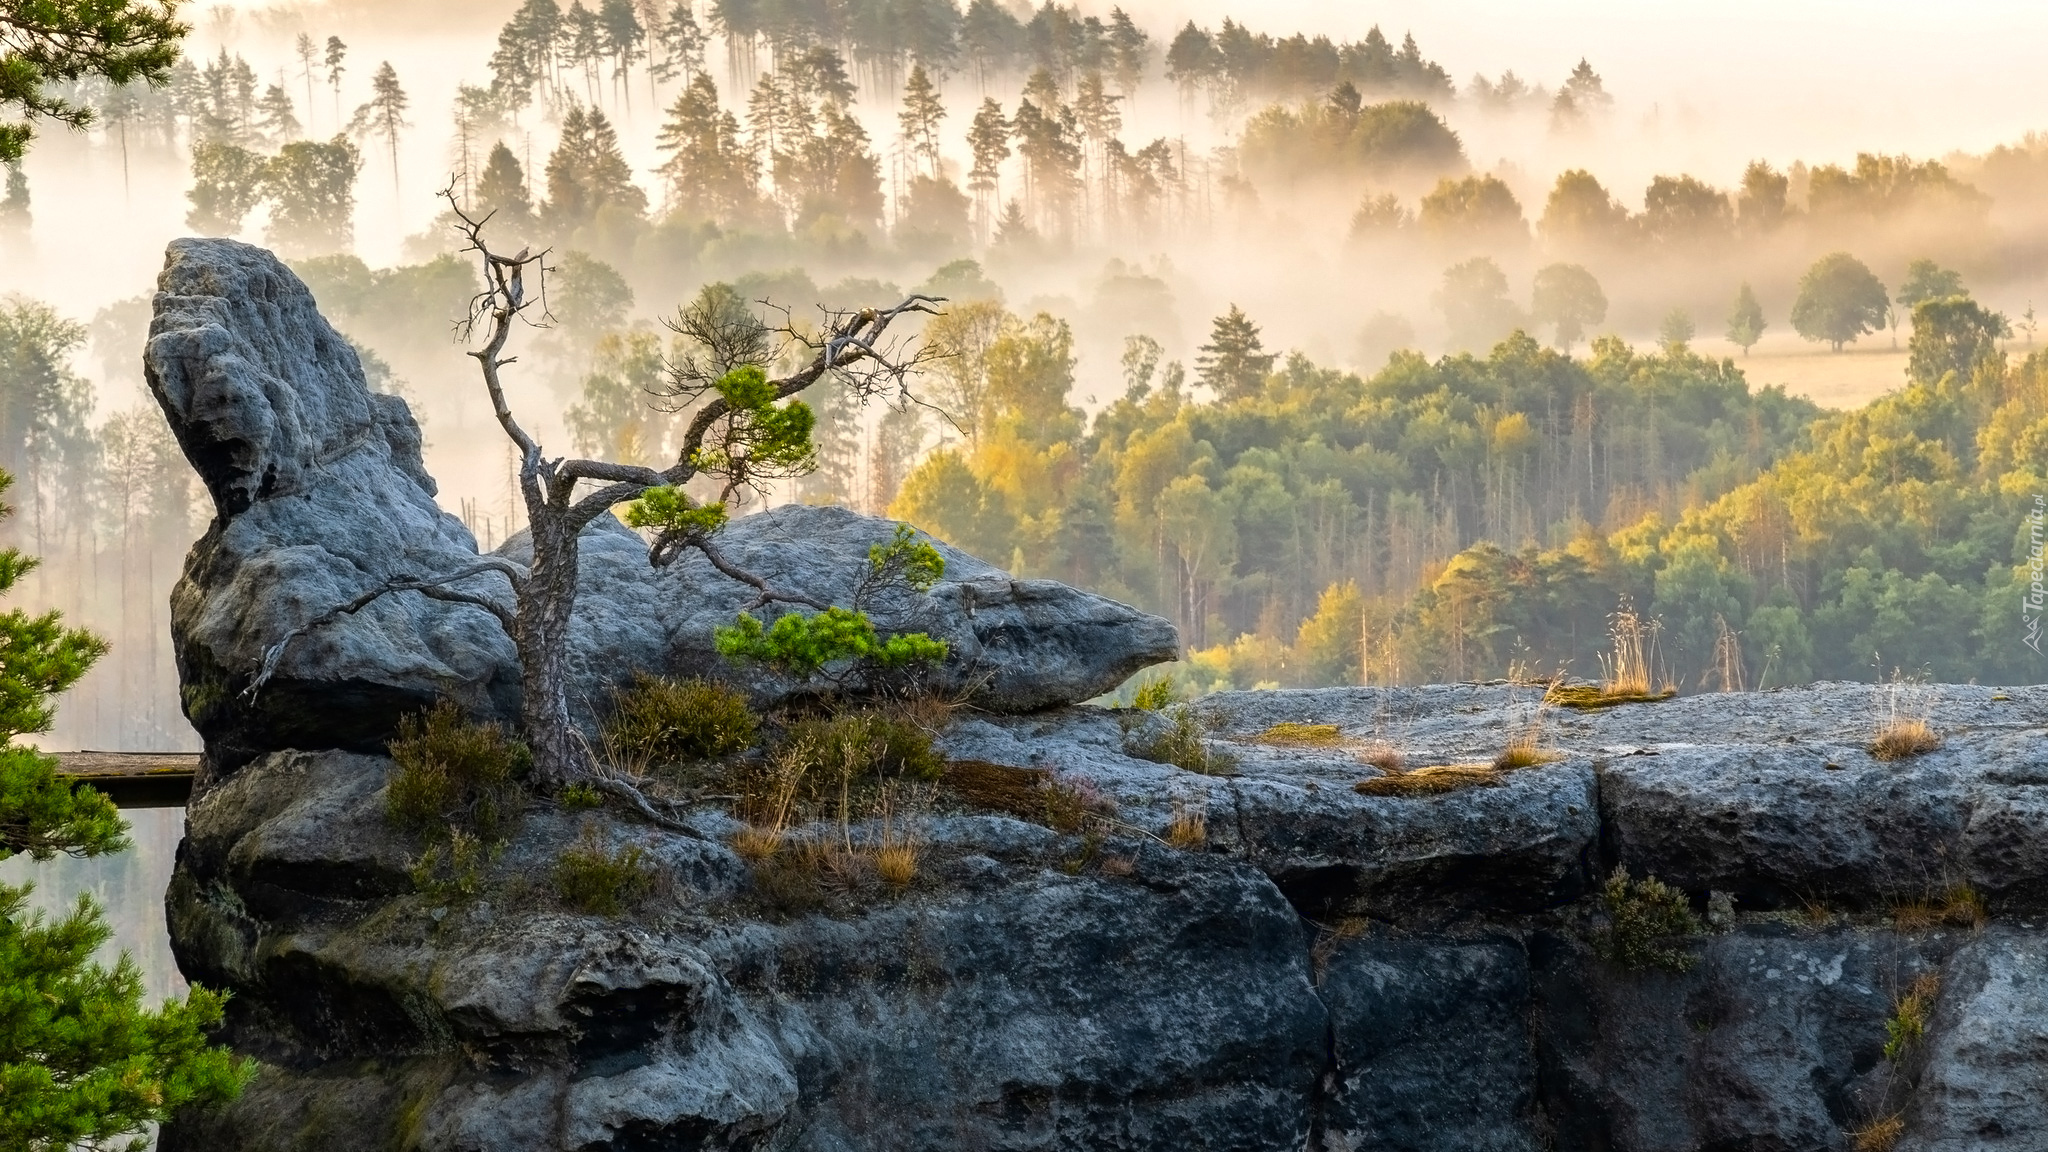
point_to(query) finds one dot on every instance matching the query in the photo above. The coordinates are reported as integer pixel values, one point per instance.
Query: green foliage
(43, 815)
(907, 558)
(662, 721)
(1475, 304)
(1746, 322)
(858, 746)
(449, 771)
(1839, 300)
(581, 795)
(1926, 280)
(1234, 362)
(1953, 334)
(759, 439)
(1328, 140)
(1156, 695)
(806, 645)
(1568, 298)
(670, 511)
(601, 881)
(452, 869)
(80, 1058)
(1179, 738)
(53, 44)
(1645, 920)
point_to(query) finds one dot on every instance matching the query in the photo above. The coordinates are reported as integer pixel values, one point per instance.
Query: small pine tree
(384, 115)
(82, 1062)
(1746, 320)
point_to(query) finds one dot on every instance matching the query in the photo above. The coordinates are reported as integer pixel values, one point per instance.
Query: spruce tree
(1234, 362)
(711, 174)
(14, 206)
(82, 1062)
(587, 173)
(502, 188)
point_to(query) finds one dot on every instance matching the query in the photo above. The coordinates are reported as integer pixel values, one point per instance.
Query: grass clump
(1032, 794)
(896, 864)
(451, 871)
(599, 881)
(1182, 742)
(658, 721)
(1903, 739)
(1632, 649)
(1879, 1135)
(451, 772)
(1960, 906)
(1908, 1024)
(1645, 917)
(1525, 750)
(1435, 780)
(1188, 830)
(1384, 757)
(1301, 735)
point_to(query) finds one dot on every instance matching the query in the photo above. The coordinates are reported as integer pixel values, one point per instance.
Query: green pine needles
(82, 1062)
(806, 645)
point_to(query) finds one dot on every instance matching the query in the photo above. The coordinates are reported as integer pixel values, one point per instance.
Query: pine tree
(922, 111)
(337, 55)
(625, 40)
(989, 142)
(710, 172)
(682, 42)
(1234, 362)
(227, 184)
(1130, 50)
(1746, 320)
(309, 55)
(384, 114)
(82, 1061)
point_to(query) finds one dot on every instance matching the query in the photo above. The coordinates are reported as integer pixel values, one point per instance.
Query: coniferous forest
(1257, 328)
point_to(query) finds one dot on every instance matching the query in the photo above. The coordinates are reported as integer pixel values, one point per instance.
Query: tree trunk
(559, 752)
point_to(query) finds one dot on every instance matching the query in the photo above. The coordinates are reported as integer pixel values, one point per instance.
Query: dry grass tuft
(1589, 697)
(1524, 751)
(1183, 743)
(1879, 1135)
(1434, 780)
(1384, 757)
(1632, 643)
(1189, 828)
(1301, 735)
(1903, 739)
(755, 844)
(1960, 906)
(896, 864)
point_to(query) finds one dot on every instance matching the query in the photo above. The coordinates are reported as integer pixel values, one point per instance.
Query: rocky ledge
(1241, 924)
(1323, 969)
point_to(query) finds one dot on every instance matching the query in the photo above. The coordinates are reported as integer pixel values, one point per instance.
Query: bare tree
(739, 433)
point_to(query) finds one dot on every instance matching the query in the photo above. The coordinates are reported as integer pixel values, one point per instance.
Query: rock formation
(1256, 957)
(321, 495)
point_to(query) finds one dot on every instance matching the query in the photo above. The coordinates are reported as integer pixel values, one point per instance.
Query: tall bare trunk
(559, 752)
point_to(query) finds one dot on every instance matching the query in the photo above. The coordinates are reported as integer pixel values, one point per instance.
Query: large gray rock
(321, 495)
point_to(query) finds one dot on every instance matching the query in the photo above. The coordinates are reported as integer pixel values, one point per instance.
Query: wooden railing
(133, 779)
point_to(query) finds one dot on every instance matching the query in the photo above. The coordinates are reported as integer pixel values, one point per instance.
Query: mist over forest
(1363, 354)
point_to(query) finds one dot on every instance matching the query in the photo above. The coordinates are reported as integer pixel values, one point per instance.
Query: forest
(1526, 407)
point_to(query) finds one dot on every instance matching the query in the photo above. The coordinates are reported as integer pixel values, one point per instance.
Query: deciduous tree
(1567, 297)
(1746, 319)
(1839, 300)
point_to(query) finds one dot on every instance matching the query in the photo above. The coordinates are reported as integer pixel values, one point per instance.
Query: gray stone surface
(1031, 992)
(321, 495)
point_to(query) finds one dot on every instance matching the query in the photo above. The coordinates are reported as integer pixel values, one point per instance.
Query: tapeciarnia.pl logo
(2036, 599)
